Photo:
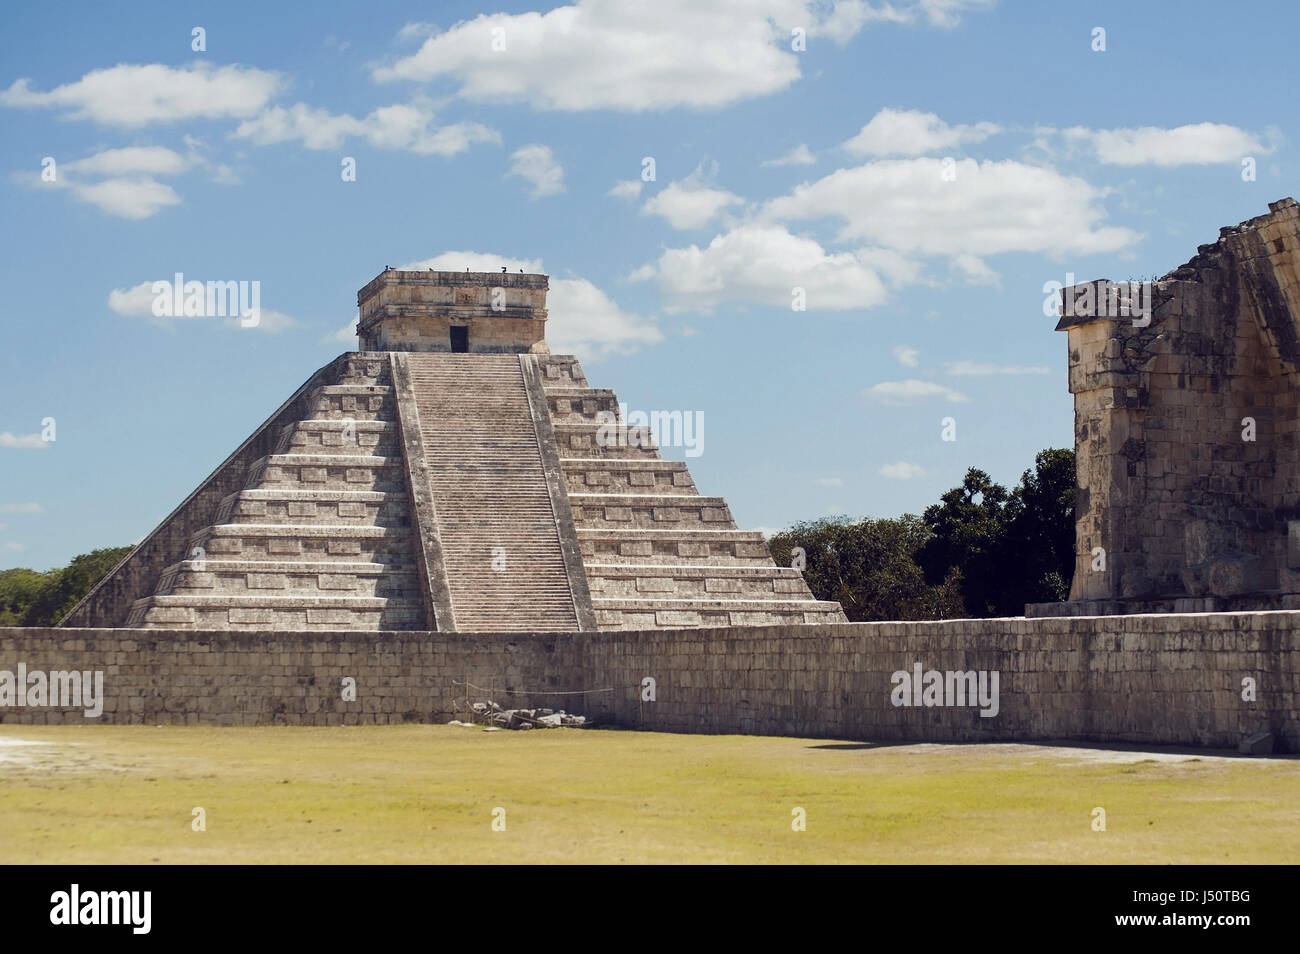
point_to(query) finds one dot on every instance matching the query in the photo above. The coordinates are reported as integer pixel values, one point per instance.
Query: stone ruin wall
(1191, 515)
(1173, 679)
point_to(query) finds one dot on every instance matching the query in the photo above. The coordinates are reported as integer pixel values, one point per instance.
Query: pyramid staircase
(657, 553)
(321, 535)
(453, 492)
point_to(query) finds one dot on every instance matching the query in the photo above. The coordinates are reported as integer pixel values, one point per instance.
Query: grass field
(427, 793)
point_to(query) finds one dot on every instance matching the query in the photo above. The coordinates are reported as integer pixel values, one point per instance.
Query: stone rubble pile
(493, 714)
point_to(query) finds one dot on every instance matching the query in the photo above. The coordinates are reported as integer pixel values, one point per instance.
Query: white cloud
(416, 31)
(133, 160)
(135, 198)
(626, 189)
(136, 95)
(688, 204)
(581, 319)
(901, 470)
(134, 302)
(764, 264)
(137, 302)
(897, 269)
(584, 320)
(401, 126)
(911, 391)
(538, 165)
(29, 507)
(475, 262)
(973, 270)
(15, 547)
(991, 207)
(269, 320)
(907, 356)
(592, 54)
(972, 368)
(346, 335)
(909, 132)
(129, 189)
(830, 481)
(947, 13)
(1197, 143)
(22, 441)
(226, 175)
(800, 155)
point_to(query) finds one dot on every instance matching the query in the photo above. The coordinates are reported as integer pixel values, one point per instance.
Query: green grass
(393, 794)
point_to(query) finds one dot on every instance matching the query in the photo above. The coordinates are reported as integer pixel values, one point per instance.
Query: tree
(868, 567)
(29, 598)
(18, 588)
(1010, 548)
(1041, 531)
(967, 527)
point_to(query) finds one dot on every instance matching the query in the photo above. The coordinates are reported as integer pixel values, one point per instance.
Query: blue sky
(920, 169)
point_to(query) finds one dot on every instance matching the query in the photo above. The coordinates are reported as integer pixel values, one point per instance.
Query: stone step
(359, 402)
(650, 512)
(366, 368)
(390, 581)
(725, 547)
(684, 581)
(339, 437)
(561, 370)
(298, 542)
(327, 472)
(576, 405)
(491, 498)
(605, 441)
(325, 507)
(619, 476)
(661, 614)
(276, 613)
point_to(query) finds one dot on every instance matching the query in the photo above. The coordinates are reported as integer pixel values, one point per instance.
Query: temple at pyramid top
(468, 312)
(452, 475)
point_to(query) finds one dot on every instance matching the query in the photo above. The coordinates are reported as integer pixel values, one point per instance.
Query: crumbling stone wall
(1186, 431)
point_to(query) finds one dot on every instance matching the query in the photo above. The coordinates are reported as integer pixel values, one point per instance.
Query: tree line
(31, 598)
(983, 550)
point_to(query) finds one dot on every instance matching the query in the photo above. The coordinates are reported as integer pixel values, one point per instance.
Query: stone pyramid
(451, 475)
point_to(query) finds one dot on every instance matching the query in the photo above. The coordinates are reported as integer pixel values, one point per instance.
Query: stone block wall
(1159, 679)
(1171, 679)
(248, 678)
(415, 310)
(1186, 427)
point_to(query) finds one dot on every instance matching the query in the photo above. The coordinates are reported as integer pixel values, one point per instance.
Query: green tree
(29, 598)
(967, 528)
(1041, 531)
(1011, 548)
(869, 568)
(18, 588)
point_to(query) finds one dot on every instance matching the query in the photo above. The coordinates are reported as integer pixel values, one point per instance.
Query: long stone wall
(1206, 680)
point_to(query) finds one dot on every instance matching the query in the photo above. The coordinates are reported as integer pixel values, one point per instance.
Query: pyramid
(451, 475)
